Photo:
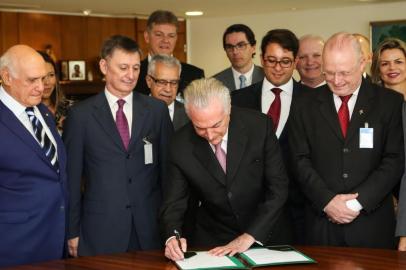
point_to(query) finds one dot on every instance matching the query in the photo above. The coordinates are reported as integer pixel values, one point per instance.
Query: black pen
(177, 234)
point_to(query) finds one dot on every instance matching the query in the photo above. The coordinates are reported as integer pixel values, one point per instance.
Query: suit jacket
(401, 218)
(188, 74)
(328, 164)
(227, 78)
(33, 195)
(250, 97)
(179, 116)
(248, 199)
(120, 191)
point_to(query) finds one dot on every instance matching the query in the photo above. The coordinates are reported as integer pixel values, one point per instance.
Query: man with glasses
(163, 81)
(239, 44)
(274, 96)
(161, 36)
(347, 143)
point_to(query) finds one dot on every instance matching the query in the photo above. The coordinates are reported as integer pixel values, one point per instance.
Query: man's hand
(173, 251)
(73, 246)
(337, 210)
(402, 243)
(240, 244)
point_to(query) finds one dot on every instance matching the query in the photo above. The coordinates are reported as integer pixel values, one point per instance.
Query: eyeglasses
(163, 83)
(272, 62)
(239, 46)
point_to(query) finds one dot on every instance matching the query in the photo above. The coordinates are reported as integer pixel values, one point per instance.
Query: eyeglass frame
(274, 62)
(240, 46)
(163, 83)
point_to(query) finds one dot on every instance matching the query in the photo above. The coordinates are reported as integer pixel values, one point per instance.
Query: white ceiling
(211, 8)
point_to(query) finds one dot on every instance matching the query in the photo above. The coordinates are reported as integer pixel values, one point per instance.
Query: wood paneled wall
(74, 37)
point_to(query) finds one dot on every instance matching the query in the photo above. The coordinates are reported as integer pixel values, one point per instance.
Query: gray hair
(311, 37)
(200, 92)
(6, 62)
(342, 39)
(167, 60)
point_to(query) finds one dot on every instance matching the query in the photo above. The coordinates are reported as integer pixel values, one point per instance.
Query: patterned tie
(122, 124)
(221, 156)
(274, 111)
(344, 114)
(243, 81)
(42, 137)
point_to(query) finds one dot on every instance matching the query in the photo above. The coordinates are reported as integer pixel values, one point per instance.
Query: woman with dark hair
(53, 96)
(389, 69)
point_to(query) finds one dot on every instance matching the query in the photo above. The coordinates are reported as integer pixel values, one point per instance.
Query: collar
(14, 106)
(286, 88)
(247, 75)
(112, 99)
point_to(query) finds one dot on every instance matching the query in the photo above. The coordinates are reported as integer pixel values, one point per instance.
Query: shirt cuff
(167, 240)
(354, 205)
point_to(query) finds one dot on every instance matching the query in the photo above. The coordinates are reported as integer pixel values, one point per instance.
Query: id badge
(148, 158)
(366, 137)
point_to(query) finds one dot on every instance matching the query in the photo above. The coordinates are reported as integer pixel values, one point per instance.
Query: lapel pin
(361, 112)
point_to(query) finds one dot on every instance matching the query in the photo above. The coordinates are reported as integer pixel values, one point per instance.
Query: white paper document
(261, 256)
(205, 260)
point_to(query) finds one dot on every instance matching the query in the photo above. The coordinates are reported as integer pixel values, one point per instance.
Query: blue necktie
(243, 81)
(42, 137)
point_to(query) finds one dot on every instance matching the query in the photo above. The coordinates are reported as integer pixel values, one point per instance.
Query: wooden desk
(328, 258)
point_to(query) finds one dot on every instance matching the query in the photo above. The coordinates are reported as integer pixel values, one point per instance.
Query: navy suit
(32, 194)
(121, 194)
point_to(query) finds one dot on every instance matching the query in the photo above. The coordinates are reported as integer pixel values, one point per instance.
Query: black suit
(329, 164)
(121, 194)
(250, 97)
(187, 75)
(246, 200)
(179, 116)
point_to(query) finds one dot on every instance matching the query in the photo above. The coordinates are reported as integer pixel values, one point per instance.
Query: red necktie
(275, 109)
(122, 124)
(344, 114)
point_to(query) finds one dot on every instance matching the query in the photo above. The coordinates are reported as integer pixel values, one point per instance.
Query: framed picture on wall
(64, 71)
(77, 70)
(379, 31)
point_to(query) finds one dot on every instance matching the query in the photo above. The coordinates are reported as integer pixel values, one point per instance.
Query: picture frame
(381, 30)
(64, 71)
(77, 70)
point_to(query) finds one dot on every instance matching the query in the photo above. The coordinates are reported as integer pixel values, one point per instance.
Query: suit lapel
(176, 114)
(205, 155)
(14, 125)
(102, 114)
(237, 141)
(140, 113)
(328, 111)
(229, 82)
(361, 109)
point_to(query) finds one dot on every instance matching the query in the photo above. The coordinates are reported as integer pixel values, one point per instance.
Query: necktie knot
(29, 109)
(276, 91)
(345, 99)
(120, 103)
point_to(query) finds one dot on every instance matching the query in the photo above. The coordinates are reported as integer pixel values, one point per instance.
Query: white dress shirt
(268, 97)
(248, 77)
(171, 109)
(19, 111)
(223, 143)
(127, 108)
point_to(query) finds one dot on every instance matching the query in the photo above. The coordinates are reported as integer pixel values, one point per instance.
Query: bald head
(365, 46)
(23, 70)
(310, 61)
(343, 63)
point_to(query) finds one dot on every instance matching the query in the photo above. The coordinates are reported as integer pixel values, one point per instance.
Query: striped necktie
(42, 137)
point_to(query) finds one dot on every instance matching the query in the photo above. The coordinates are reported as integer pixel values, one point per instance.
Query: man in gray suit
(116, 144)
(239, 44)
(163, 81)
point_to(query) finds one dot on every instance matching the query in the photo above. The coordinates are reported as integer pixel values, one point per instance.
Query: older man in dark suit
(33, 195)
(163, 81)
(229, 158)
(346, 139)
(116, 142)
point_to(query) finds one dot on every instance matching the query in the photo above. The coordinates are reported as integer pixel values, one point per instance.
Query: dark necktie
(275, 109)
(344, 114)
(122, 124)
(221, 156)
(42, 137)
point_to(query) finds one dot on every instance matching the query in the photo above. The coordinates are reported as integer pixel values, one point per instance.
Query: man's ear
(6, 76)
(149, 81)
(103, 66)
